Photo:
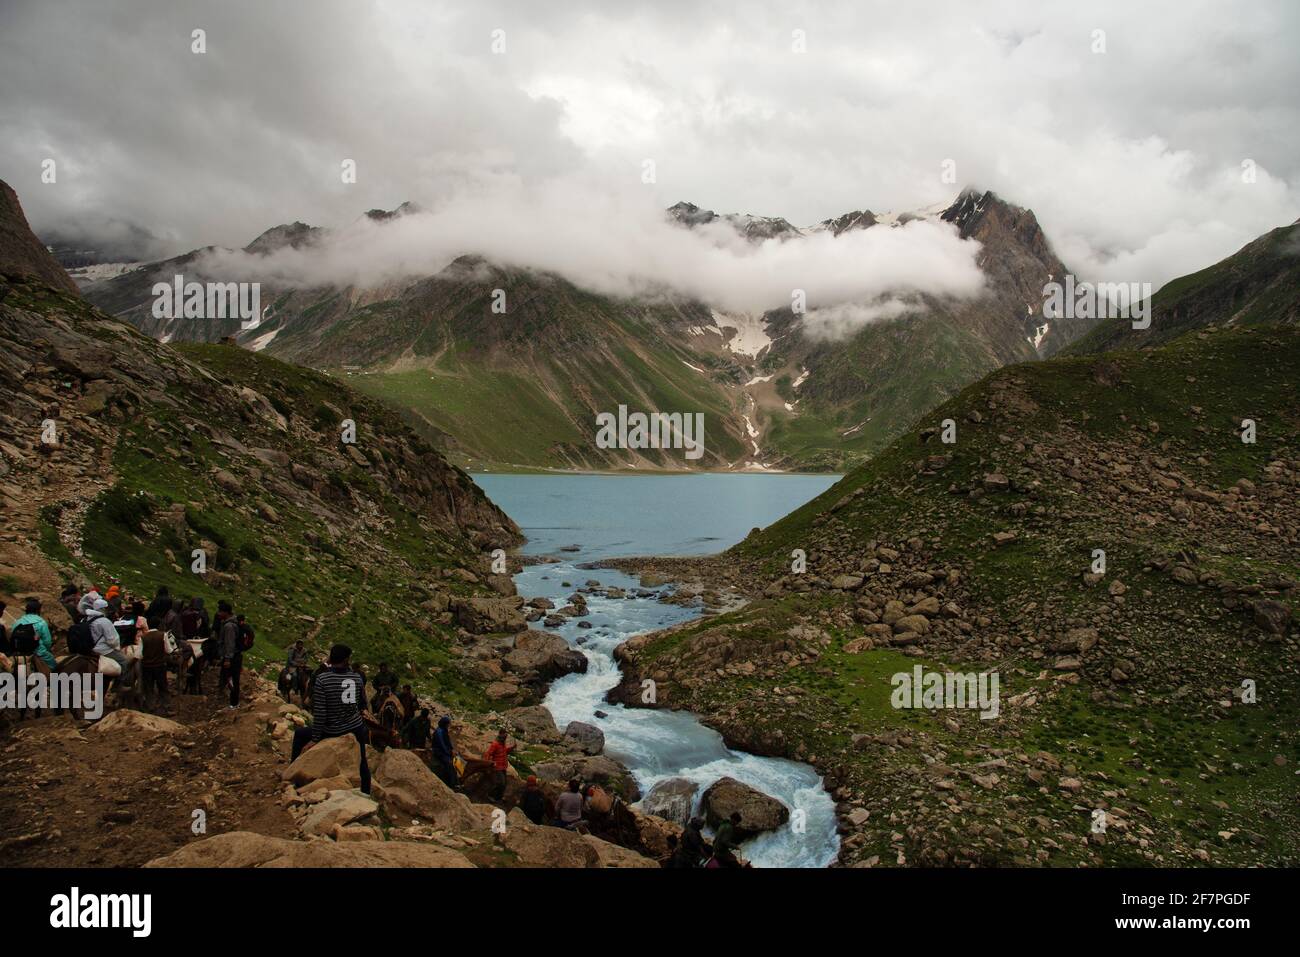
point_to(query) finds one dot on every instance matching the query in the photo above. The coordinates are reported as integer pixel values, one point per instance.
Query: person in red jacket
(498, 753)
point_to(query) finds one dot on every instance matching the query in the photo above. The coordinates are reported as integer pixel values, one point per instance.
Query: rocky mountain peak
(688, 214)
(293, 235)
(21, 253)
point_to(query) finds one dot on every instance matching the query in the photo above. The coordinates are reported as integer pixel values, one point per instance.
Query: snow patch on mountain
(750, 328)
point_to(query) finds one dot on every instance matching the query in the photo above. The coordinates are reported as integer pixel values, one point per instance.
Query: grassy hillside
(1120, 691)
(1257, 285)
(165, 450)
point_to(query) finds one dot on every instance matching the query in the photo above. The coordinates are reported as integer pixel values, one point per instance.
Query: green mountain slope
(523, 387)
(1257, 285)
(1120, 691)
(122, 456)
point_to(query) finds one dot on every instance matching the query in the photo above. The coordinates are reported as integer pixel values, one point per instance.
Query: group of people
(135, 644)
(131, 641)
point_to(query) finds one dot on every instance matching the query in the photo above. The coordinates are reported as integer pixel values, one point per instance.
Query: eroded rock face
(246, 849)
(758, 812)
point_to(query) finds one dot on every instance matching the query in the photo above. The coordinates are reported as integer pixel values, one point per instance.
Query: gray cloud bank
(1131, 158)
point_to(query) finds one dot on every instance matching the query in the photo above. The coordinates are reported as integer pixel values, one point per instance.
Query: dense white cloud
(1131, 158)
(623, 244)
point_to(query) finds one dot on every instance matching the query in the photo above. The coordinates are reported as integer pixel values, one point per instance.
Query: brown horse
(381, 738)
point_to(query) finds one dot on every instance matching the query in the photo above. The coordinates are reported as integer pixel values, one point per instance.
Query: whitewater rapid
(658, 744)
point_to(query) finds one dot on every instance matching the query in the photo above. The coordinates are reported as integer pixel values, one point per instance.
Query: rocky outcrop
(334, 758)
(246, 849)
(758, 812)
(671, 800)
(21, 253)
(136, 724)
(587, 738)
(406, 786)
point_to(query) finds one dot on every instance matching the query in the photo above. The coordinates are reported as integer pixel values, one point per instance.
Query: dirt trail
(77, 797)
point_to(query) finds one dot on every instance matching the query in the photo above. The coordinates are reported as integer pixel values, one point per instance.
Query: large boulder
(671, 800)
(137, 723)
(1270, 615)
(612, 855)
(597, 769)
(534, 724)
(246, 849)
(653, 833)
(405, 784)
(544, 657)
(536, 845)
(328, 758)
(486, 615)
(758, 812)
(340, 808)
(587, 738)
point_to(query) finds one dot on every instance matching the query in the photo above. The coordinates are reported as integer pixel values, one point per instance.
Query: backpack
(24, 639)
(190, 622)
(245, 639)
(80, 639)
(125, 631)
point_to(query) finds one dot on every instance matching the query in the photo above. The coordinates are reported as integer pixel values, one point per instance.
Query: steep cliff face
(21, 253)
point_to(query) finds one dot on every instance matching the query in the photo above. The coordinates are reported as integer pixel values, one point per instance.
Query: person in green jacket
(726, 842)
(44, 639)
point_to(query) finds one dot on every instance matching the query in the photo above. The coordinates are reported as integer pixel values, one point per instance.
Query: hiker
(499, 754)
(568, 807)
(162, 601)
(693, 848)
(444, 754)
(598, 799)
(194, 621)
(69, 598)
(410, 703)
(31, 634)
(153, 665)
(336, 699)
(108, 644)
(5, 647)
(534, 801)
(171, 620)
(297, 656)
(196, 627)
(726, 841)
(232, 658)
(417, 731)
(87, 601)
(384, 679)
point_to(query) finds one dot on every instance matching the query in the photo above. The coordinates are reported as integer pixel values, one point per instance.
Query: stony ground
(1154, 697)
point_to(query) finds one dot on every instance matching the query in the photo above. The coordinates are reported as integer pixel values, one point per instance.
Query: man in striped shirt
(337, 697)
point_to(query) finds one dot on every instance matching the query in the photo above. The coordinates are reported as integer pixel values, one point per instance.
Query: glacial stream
(607, 516)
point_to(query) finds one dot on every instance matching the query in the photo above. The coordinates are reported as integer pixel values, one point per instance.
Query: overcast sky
(1131, 158)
